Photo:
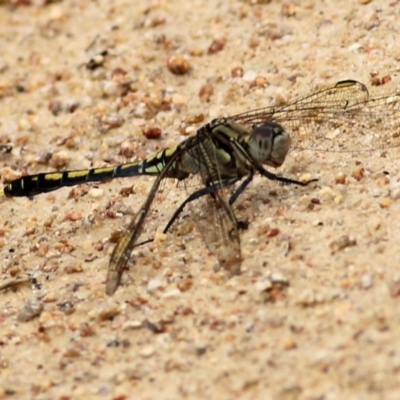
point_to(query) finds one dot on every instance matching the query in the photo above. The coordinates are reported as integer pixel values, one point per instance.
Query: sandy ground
(315, 312)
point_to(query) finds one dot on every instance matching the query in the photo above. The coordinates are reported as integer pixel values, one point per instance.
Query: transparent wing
(339, 118)
(122, 251)
(212, 214)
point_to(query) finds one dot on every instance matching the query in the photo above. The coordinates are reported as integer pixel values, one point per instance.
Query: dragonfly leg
(196, 195)
(240, 189)
(200, 193)
(282, 179)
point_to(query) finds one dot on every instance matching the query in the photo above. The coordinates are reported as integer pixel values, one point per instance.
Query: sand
(314, 313)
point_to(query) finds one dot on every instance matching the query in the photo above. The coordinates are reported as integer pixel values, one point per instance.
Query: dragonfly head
(269, 143)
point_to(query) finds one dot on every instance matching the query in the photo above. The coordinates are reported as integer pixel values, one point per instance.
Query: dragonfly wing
(122, 251)
(342, 118)
(341, 96)
(213, 216)
(367, 125)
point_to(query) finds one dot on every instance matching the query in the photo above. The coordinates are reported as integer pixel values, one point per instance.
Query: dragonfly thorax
(269, 143)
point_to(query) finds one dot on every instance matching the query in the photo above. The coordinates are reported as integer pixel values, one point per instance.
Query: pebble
(354, 46)
(306, 298)
(249, 76)
(147, 351)
(190, 130)
(366, 281)
(395, 194)
(327, 193)
(237, 72)
(32, 309)
(278, 277)
(216, 46)
(110, 121)
(385, 202)
(254, 241)
(342, 242)
(106, 312)
(205, 92)
(263, 284)
(111, 89)
(305, 178)
(178, 64)
(152, 132)
(154, 285)
(178, 99)
(289, 343)
(96, 193)
(172, 293)
(340, 178)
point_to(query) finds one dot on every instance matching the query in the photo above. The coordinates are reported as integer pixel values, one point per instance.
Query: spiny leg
(196, 195)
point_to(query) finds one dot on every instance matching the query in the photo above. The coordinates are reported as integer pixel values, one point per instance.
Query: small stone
(179, 100)
(338, 198)
(73, 269)
(216, 46)
(110, 121)
(260, 81)
(254, 241)
(107, 312)
(278, 277)
(172, 293)
(358, 173)
(96, 193)
(195, 119)
(147, 351)
(326, 193)
(205, 93)
(152, 132)
(129, 148)
(249, 76)
(395, 194)
(340, 179)
(185, 284)
(355, 46)
(32, 309)
(288, 10)
(385, 202)
(160, 237)
(190, 130)
(341, 243)
(306, 298)
(237, 72)
(73, 215)
(305, 178)
(154, 285)
(196, 52)
(366, 281)
(111, 89)
(376, 81)
(58, 160)
(178, 64)
(263, 284)
(273, 232)
(289, 343)
(42, 249)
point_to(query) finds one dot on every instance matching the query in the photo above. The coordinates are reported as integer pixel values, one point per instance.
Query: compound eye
(269, 143)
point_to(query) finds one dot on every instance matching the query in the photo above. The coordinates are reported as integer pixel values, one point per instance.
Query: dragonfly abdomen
(32, 185)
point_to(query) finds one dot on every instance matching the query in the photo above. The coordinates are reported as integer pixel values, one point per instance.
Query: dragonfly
(341, 117)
